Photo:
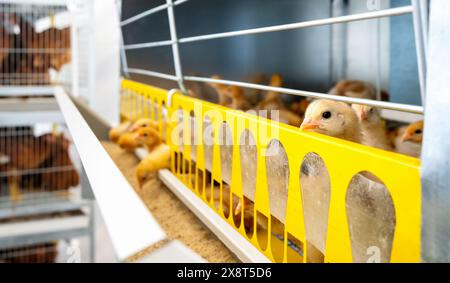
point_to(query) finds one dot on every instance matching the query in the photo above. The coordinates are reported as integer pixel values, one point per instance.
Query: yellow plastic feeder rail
(296, 196)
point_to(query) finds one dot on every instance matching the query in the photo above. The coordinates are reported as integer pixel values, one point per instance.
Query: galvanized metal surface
(436, 145)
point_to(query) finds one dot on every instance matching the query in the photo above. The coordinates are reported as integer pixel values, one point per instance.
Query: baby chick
(116, 132)
(272, 102)
(231, 96)
(373, 127)
(157, 159)
(409, 139)
(357, 89)
(332, 118)
(148, 137)
(127, 139)
(221, 90)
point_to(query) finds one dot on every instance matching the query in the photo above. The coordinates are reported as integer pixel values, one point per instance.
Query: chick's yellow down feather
(117, 131)
(408, 140)
(156, 160)
(332, 118)
(373, 127)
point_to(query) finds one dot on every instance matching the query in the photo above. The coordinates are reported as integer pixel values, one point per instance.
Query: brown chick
(409, 139)
(156, 160)
(373, 127)
(231, 96)
(272, 102)
(357, 89)
(222, 93)
(332, 118)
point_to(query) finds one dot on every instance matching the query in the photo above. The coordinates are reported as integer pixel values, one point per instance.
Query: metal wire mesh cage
(38, 253)
(35, 167)
(34, 40)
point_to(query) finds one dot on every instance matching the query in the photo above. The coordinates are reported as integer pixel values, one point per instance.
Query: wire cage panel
(38, 166)
(297, 197)
(35, 39)
(38, 253)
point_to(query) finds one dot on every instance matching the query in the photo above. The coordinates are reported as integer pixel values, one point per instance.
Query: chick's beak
(308, 126)
(407, 137)
(363, 115)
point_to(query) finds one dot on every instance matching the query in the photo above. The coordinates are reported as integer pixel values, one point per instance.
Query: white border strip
(240, 246)
(130, 224)
(23, 228)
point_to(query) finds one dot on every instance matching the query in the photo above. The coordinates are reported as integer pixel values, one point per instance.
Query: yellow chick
(409, 139)
(148, 137)
(116, 132)
(128, 141)
(332, 118)
(373, 127)
(156, 160)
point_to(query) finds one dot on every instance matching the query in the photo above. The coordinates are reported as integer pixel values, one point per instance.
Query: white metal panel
(130, 224)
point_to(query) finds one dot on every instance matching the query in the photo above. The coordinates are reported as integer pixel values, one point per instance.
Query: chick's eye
(418, 132)
(326, 115)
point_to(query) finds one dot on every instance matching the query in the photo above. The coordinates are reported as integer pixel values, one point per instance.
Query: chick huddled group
(143, 133)
(360, 123)
(234, 97)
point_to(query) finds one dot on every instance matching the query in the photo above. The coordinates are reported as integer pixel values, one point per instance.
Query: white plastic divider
(130, 224)
(237, 243)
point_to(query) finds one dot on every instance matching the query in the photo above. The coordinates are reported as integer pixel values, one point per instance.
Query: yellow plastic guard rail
(308, 197)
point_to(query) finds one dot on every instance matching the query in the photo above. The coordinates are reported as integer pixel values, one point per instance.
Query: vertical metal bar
(175, 50)
(436, 145)
(378, 58)
(420, 47)
(424, 10)
(123, 54)
(92, 232)
(338, 42)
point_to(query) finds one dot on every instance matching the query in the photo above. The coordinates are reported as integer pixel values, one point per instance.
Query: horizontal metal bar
(313, 23)
(26, 90)
(147, 45)
(149, 12)
(36, 2)
(374, 103)
(152, 74)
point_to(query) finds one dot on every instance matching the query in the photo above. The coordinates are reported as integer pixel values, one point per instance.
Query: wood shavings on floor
(174, 217)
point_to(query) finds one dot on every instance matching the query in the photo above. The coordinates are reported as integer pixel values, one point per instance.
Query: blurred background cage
(41, 199)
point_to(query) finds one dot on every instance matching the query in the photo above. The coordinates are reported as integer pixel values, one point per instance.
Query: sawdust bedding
(174, 217)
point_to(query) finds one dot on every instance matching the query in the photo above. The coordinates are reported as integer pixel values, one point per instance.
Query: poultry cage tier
(37, 253)
(34, 39)
(296, 197)
(36, 166)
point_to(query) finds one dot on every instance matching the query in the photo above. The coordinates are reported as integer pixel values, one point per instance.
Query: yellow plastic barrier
(363, 205)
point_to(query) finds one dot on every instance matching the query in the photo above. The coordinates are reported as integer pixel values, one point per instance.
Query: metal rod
(149, 12)
(424, 10)
(175, 50)
(313, 23)
(374, 103)
(147, 45)
(151, 74)
(123, 54)
(143, 15)
(420, 47)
